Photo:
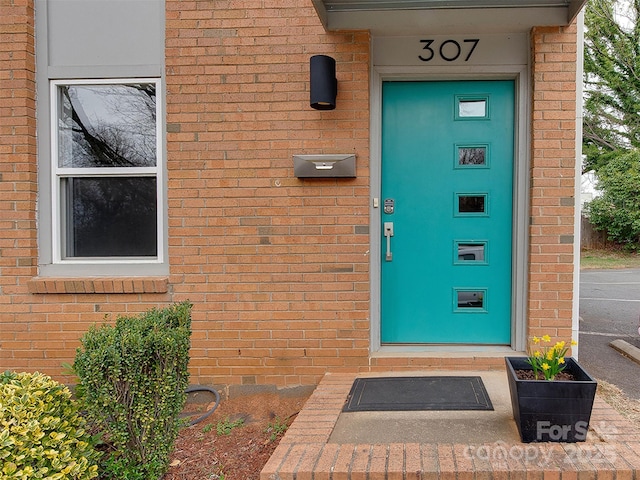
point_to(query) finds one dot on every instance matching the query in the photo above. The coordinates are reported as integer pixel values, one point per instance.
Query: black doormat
(417, 393)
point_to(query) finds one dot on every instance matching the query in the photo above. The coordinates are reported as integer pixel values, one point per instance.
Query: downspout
(575, 323)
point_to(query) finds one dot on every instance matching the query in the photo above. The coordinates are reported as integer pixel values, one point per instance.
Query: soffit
(406, 17)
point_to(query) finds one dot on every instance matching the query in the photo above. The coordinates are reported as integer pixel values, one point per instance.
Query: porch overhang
(408, 17)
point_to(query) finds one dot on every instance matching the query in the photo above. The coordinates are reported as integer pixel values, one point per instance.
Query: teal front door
(446, 212)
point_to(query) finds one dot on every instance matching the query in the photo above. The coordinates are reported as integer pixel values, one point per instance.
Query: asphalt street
(609, 310)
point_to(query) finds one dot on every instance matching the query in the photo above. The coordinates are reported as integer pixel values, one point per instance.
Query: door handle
(388, 232)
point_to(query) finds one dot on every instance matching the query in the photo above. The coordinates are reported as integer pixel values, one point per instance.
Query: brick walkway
(611, 452)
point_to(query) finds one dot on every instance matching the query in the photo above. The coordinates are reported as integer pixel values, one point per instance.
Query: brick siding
(553, 189)
(18, 180)
(277, 267)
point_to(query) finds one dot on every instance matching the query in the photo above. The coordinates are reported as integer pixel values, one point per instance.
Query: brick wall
(552, 181)
(18, 187)
(277, 267)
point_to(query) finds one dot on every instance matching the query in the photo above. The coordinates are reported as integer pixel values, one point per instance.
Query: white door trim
(520, 74)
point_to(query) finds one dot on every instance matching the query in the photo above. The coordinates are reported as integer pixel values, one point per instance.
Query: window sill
(46, 285)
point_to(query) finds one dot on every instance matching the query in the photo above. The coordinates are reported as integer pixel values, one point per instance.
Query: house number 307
(448, 50)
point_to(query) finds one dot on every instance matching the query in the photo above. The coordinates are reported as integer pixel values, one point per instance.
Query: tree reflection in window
(112, 210)
(107, 126)
(472, 156)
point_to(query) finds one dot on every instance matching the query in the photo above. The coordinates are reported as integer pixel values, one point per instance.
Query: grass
(207, 428)
(224, 427)
(592, 259)
(277, 428)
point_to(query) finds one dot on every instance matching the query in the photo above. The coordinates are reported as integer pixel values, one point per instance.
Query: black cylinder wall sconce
(323, 85)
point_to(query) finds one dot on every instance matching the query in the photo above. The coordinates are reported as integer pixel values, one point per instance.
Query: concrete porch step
(611, 452)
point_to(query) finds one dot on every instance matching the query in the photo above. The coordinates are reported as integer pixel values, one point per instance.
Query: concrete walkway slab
(320, 445)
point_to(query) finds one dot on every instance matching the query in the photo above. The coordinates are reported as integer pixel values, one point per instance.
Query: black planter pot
(551, 411)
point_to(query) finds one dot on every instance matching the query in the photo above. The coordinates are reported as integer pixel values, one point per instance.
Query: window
(471, 204)
(475, 107)
(470, 300)
(472, 108)
(472, 156)
(470, 252)
(107, 171)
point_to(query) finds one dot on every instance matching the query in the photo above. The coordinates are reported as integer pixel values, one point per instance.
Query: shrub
(132, 382)
(42, 434)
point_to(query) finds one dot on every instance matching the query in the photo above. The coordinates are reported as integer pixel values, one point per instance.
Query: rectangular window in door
(472, 156)
(467, 300)
(474, 204)
(470, 252)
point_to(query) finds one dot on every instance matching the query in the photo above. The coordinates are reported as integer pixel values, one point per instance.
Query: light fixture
(323, 85)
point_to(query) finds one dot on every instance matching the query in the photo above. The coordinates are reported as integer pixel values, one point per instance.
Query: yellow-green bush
(42, 434)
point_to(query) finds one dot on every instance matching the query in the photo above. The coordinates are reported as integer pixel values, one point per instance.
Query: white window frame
(58, 173)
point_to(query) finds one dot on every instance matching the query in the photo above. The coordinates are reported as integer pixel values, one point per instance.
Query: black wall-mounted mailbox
(324, 166)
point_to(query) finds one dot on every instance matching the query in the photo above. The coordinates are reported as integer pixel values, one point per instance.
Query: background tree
(611, 124)
(612, 80)
(618, 209)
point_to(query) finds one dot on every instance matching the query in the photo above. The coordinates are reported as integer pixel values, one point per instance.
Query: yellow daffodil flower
(548, 360)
